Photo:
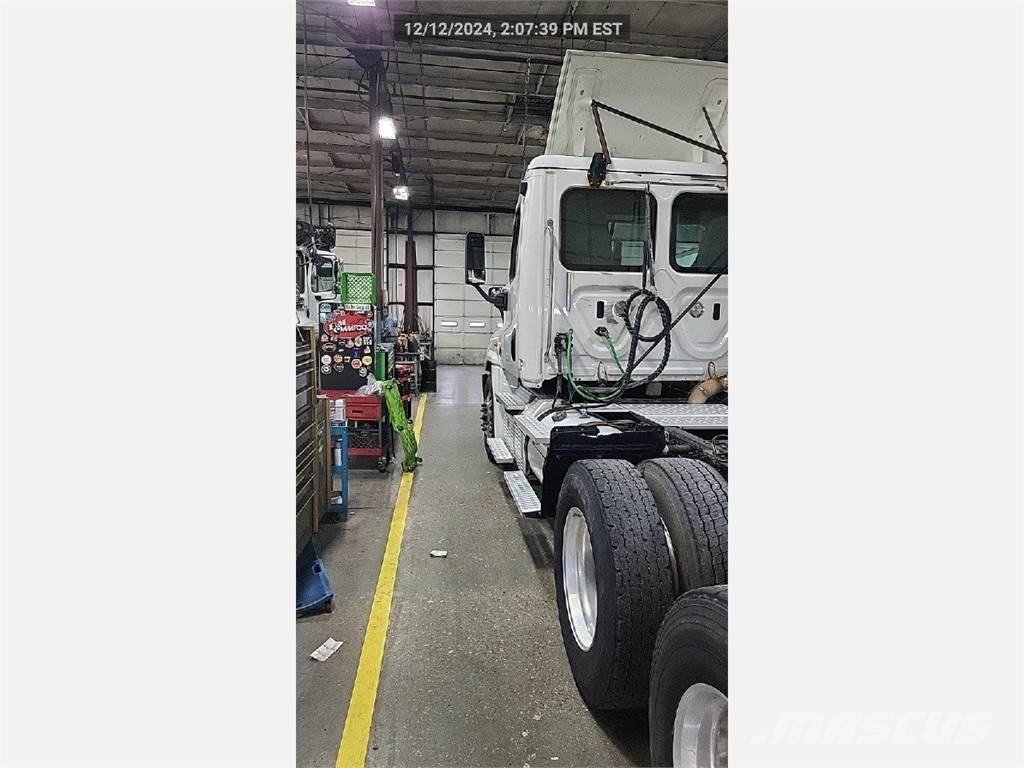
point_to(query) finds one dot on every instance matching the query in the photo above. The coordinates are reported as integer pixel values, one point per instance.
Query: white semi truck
(605, 390)
(316, 271)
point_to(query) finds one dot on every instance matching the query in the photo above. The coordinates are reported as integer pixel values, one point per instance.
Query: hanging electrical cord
(648, 241)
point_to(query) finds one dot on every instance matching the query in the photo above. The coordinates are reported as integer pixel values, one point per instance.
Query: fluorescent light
(386, 128)
(475, 324)
(401, 193)
(449, 324)
(361, 2)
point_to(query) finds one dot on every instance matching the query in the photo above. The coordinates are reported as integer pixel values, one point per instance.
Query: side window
(513, 257)
(606, 230)
(700, 233)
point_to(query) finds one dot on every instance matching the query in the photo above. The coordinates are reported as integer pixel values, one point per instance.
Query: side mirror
(476, 264)
(476, 272)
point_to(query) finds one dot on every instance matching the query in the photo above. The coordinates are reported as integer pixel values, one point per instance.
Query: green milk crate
(357, 288)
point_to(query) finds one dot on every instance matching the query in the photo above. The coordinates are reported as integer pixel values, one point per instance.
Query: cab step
(499, 451)
(523, 496)
(512, 401)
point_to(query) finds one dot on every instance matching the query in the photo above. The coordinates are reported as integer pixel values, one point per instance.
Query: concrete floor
(474, 672)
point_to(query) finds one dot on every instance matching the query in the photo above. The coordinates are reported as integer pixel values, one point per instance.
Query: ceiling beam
(442, 183)
(422, 196)
(448, 111)
(343, 88)
(480, 157)
(322, 131)
(471, 205)
(424, 165)
(359, 122)
(447, 63)
(512, 85)
(457, 51)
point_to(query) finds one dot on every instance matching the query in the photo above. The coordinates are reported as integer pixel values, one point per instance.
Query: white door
(463, 321)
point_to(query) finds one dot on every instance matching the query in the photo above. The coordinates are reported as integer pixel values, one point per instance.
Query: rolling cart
(369, 427)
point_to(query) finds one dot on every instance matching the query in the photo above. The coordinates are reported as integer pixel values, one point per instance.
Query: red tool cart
(369, 428)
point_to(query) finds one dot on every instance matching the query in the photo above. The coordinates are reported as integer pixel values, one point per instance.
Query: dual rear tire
(629, 540)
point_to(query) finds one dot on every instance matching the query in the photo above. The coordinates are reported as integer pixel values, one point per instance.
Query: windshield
(324, 276)
(700, 233)
(605, 230)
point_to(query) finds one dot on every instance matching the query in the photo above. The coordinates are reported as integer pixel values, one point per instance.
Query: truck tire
(693, 501)
(689, 707)
(487, 413)
(613, 580)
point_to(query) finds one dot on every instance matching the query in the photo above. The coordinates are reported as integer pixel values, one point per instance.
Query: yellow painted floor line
(356, 735)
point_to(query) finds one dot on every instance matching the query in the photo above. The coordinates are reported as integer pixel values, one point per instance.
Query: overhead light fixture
(386, 128)
(401, 193)
(361, 2)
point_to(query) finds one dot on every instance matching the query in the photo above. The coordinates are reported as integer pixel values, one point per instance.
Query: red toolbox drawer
(362, 408)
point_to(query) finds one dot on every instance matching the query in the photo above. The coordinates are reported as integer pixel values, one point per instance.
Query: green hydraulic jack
(401, 425)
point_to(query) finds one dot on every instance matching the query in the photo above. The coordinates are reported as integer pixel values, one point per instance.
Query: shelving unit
(412, 360)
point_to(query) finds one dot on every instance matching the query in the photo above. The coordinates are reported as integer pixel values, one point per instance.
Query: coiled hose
(626, 382)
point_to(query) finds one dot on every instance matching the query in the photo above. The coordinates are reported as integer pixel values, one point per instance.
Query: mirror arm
(482, 292)
(487, 298)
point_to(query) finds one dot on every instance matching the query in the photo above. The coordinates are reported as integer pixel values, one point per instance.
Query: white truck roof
(660, 89)
(647, 167)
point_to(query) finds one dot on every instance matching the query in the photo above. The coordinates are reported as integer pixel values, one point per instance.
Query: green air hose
(401, 425)
(586, 394)
(615, 355)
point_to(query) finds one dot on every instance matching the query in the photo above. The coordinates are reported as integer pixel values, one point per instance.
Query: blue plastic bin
(313, 587)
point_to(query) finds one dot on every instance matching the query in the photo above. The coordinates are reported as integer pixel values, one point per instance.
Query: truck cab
(578, 252)
(317, 270)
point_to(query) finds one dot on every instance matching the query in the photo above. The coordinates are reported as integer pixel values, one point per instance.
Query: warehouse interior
(434, 638)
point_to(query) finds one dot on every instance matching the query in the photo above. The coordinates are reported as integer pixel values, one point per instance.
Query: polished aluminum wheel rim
(700, 734)
(578, 579)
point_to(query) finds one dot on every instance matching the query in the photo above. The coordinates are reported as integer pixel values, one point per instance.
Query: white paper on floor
(439, 553)
(323, 653)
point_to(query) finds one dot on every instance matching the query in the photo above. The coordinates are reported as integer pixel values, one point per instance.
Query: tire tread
(692, 646)
(705, 513)
(643, 576)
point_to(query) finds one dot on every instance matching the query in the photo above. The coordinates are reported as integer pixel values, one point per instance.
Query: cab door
(507, 333)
